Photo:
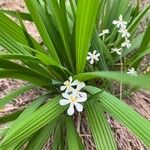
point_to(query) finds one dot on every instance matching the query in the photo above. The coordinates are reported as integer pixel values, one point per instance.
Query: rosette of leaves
(69, 31)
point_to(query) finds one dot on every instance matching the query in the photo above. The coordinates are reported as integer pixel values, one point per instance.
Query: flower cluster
(73, 95)
(121, 25)
(122, 28)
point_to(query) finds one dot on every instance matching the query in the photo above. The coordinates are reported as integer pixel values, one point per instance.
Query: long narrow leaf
(123, 113)
(100, 129)
(139, 81)
(33, 123)
(85, 22)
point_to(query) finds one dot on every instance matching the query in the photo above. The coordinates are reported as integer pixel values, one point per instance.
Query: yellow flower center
(67, 83)
(73, 99)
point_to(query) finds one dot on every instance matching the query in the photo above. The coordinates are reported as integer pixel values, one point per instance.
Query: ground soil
(140, 100)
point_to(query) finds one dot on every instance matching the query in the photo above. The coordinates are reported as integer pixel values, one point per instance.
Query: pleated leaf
(14, 94)
(101, 131)
(85, 22)
(123, 113)
(73, 140)
(34, 122)
(138, 81)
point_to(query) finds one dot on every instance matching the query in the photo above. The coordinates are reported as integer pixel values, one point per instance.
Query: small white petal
(70, 79)
(64, 102)
(97, 55)
(75, 82)
(96, 58)
(79, 107)
(88, 57)
(82, 99)
(80, 85)
(120, 17)
(62, 88)
(92, 62)
(89, 53)
(101, 34)
(65, 95)
(94, 52)
(114, 22)
(70, 110)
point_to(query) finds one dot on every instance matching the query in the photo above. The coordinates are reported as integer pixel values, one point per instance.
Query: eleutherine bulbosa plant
(86, 46)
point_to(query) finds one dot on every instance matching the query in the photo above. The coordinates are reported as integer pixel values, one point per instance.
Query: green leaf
(123, 113)
(59, 135)
(25, 76)
(139, 57)
(36, 11)
(28, 111)
(139, 81)
(85, 22)
(142, 50)
(38, 140)
(73, 139)
(10, 117)
(17, 33)
(101, 131)
(14, 94)
(24, 16)
(5, 64)
(47, 113)
(137, 20)
(59, 14)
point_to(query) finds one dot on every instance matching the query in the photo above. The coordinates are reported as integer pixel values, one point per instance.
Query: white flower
(93, 57)
(126, 43)
(68, 85)
(104, 32)
(74, 101)
(120, 23)
(124, 32)
(132, 72)
(117, 50)
(80, 86)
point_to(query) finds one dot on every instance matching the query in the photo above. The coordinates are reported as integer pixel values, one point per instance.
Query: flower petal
(70, 79)
(79, 107)
(94, 52)
(75, 82)
(62, 88)
(114, 22)
(91, 61)
(65, 95)
(88, 57)
(80, 85)
(70, 110)
(64, 102)
(82, 97)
